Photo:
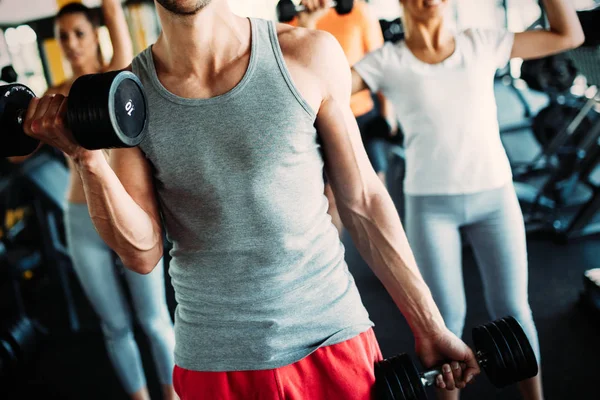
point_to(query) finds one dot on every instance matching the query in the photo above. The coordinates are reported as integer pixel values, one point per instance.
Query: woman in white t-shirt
(458, 178)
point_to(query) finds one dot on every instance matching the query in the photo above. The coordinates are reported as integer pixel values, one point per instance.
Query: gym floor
(75, 366)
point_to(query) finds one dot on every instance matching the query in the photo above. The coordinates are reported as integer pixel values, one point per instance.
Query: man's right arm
(121, 199)
(123, 205)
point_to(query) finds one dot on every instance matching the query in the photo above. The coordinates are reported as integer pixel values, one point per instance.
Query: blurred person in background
(93, 261)
(458, 176)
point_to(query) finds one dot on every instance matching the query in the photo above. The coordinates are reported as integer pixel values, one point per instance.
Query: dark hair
(78, 8)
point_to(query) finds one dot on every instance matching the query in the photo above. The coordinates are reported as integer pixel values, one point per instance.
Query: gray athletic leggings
(492, 221)
(93, 263)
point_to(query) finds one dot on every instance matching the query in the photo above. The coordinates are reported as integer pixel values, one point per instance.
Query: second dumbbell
(503, 352)
(104, 111)
(287, 10)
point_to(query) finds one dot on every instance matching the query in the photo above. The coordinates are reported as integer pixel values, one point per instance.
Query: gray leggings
(93, 263)
(492, 221)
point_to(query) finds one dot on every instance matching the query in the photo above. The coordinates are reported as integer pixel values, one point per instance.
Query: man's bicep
(346, 162)
(135, 173)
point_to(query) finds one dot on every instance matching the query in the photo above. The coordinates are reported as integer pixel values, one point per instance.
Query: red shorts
(340, 371)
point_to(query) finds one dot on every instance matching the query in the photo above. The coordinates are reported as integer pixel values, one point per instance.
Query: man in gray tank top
(232, 166)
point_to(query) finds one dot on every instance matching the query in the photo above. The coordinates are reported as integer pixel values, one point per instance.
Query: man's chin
(185, 7)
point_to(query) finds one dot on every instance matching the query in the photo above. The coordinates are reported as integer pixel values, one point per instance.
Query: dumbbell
(502, 350)
(287, 10)
(107, 110)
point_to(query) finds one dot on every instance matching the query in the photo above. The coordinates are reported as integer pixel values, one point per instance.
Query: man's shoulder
(306, 46)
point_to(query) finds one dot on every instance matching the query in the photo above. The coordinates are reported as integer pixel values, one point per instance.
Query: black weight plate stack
(383, 388)
(515, 347)
(344, 7)
(414, 378)
(83, 101)
(108, 110)
(399, 371)
(394, 381)
(13, 141)
(531, 364)
(286, 10)
(510, 373)
(493, 365)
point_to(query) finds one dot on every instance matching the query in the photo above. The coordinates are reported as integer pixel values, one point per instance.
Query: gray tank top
(258, 270)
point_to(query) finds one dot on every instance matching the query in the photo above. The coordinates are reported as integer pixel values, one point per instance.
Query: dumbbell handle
(302, 8)
(428, 377)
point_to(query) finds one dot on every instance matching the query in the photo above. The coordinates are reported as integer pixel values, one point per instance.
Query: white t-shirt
(447, 112)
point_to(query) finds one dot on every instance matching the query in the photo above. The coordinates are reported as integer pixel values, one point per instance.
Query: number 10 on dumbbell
(104, 111)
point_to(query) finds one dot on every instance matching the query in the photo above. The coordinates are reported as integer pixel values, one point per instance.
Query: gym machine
(557, 188)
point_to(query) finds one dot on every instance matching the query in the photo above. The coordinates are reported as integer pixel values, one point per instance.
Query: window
(25, 57)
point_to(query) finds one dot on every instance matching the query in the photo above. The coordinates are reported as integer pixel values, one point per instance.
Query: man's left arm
(371, 218)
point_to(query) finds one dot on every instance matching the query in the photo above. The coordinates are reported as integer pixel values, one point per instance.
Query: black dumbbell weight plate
(398, 368)
(531, 367)
(510, 373)
(130, 110)
(413, 376)
(13, 141)
(494, 363)
(382, 386)
(515, 348)
(108, 110)
(393, 380)
(84, 105)
(344, 6)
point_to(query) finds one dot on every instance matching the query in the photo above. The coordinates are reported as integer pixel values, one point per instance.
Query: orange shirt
(358, 33)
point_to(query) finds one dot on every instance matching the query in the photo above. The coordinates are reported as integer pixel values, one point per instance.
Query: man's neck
(202, 43)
